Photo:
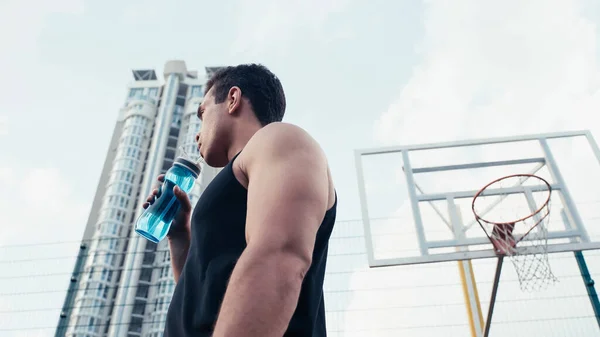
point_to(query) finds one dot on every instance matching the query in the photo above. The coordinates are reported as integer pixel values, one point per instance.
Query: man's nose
(197, 137)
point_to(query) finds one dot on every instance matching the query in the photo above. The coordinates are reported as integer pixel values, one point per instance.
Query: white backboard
(416, 200)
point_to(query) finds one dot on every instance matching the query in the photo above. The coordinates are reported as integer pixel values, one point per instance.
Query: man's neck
(241, 138)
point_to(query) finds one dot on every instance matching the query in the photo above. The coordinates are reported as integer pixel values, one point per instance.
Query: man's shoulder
(283, 134)
(283, 139)
(286, 151)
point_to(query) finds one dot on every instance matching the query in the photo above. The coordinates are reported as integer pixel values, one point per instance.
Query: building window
(136, 92)
(135, 325)
(196, 91)
(153, 92)
(142, 291)
(146, 275)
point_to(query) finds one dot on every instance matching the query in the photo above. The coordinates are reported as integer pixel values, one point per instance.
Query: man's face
(213, 133)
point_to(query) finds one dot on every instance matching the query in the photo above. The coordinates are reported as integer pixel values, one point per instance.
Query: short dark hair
(262, 88)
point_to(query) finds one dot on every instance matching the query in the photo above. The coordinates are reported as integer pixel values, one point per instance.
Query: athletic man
(251, 260)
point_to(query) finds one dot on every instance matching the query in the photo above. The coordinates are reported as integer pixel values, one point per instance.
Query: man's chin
(206, 157)
(213, 161)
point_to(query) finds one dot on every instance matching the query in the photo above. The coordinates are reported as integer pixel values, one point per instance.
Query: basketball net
(517, 226)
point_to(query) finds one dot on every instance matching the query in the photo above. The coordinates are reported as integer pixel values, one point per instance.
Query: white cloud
(270, 23)
(45, 189)
(133, 13)
(37, 206)
(498, 69)
(3, 125)
(493, 69)
(22, 22)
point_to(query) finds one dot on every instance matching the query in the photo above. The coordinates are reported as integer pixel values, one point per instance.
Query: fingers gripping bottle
(155, 221)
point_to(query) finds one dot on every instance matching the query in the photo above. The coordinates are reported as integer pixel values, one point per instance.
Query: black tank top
(218, 240)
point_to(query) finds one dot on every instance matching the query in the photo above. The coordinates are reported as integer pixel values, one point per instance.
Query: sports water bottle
(155, 221)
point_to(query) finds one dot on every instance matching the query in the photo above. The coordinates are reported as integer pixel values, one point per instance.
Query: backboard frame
(579, 239)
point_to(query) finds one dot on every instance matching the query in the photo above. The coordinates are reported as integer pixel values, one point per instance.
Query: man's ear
(234, 99)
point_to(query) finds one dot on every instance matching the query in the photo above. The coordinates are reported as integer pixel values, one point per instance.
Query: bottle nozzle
(197, 160)
(201, 160)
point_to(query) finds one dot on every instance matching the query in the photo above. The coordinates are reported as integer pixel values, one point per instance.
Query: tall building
(121, 283)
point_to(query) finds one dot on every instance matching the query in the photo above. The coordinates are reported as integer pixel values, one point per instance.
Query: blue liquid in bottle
(155, 222)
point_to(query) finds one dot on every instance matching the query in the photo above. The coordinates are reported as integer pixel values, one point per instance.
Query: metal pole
(467, 277)
(589, 284)
(471, 296)
(488, 321)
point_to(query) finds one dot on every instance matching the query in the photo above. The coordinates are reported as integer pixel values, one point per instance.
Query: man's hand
(181, 222)
(288, 192)
(180, 232)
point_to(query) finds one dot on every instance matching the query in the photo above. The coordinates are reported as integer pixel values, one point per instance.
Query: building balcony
(140, 107)
(149, 99)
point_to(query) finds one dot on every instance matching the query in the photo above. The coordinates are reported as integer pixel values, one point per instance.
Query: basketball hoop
(514, 217)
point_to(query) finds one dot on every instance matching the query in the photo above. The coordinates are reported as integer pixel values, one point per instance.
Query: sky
(356, 75)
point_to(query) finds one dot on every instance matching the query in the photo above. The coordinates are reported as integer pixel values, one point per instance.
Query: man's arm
(288, 191)
(179, 248)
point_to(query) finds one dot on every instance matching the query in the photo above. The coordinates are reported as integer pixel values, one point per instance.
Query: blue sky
(356, 75)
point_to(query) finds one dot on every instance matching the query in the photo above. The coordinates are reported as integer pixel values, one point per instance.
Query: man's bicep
(287, 199)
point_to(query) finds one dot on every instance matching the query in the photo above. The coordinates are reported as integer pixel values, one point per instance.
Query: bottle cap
(194, 167)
